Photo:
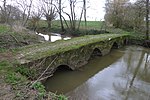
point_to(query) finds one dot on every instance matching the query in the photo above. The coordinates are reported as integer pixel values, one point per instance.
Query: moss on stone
(37, 51)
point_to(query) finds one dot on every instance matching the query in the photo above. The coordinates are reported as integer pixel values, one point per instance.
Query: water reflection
(52, 37)
(126, 79)
(71, 79)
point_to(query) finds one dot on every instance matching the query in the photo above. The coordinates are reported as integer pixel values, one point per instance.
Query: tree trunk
(60, 16)
(80, 19)
(147, 19)
(84, 1)
(49, 24)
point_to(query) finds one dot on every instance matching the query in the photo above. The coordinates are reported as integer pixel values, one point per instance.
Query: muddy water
(52, 37)
(124, 74)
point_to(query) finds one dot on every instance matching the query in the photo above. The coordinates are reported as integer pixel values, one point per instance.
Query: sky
(95, 10)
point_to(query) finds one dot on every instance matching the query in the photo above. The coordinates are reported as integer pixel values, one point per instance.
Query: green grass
(17, 78)
(40, 87)
(5, 65)
(4, 28)
(96, 25)
(9, 71)
(56, 27)
(10, 39)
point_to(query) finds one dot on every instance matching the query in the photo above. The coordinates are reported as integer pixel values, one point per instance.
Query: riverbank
(16, 82)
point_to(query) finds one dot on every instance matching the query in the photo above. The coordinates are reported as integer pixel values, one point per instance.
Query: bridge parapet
(73, 53)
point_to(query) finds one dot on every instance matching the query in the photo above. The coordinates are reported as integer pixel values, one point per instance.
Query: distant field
(90, 24)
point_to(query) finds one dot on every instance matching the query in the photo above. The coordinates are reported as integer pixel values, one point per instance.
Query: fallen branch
(14, 38)
(44, 78)
(40, 77)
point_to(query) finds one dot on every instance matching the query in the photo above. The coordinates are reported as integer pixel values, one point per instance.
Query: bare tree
(147, 19)
(139, 14)
(60, 14)
(3, 12)
(35, 18)
(83, 11)
(73, 16)
(115, 12)
(26, 7)
(49, 11)
(84, 6)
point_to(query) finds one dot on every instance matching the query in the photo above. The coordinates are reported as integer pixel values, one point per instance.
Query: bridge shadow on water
(114, 46)
(64, 79)
(63, 68)
(96, 53)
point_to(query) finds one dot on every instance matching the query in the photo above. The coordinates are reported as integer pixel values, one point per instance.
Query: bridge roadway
(74, 53)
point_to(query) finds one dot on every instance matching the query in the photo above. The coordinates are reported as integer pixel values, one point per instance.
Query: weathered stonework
(73, 58)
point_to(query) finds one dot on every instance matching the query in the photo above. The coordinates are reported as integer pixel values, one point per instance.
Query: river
(123, 74)
(52, 37)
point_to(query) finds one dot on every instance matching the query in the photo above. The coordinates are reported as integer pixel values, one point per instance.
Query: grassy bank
(15, 85)
(10, 38)
(15, 82)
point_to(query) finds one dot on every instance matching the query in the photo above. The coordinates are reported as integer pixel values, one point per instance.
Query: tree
(115, 11)
(139, 14)
(60, 14)
(72, 15)
(35, 18)
(84, 7)
(26, 9)
(9, 13)
(3, 12)
(147, 19)
(49, 11)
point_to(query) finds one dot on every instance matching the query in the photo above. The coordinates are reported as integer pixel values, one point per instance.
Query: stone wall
(73, 58)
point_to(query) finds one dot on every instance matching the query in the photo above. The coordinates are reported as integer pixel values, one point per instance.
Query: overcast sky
(96, 10)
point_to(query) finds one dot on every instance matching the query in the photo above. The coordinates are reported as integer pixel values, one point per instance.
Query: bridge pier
(74, 58)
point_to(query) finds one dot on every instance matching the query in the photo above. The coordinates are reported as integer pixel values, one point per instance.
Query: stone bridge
(47, 57)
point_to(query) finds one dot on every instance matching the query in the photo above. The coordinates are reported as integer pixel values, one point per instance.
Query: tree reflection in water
(137, 74)
(125, 79)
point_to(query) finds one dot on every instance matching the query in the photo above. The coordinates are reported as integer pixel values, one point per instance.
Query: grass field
(95, 25)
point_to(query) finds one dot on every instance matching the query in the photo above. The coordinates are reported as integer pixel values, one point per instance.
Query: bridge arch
(96, 52)
(125, 41)
(115, 45)
(63, 67)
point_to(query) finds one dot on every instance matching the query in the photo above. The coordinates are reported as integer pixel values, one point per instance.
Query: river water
(52, 37)
(123, 74)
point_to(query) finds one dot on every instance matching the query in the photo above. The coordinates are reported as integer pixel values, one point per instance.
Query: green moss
(37, 51)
